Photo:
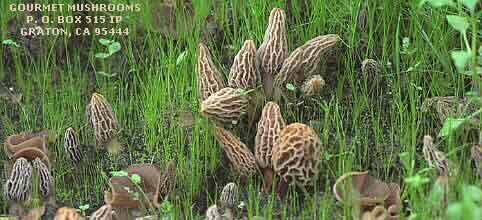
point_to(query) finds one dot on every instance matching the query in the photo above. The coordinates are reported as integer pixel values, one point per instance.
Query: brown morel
(476, 153)
(225, 106)
(243, 74)
(19, 185)
(104, 121)
(71, 145)
(209, 78)
(269, 128)
(46, 181)
(434, 157)
(313, 86)
(296, 156)
(66, 213)
(241, 158)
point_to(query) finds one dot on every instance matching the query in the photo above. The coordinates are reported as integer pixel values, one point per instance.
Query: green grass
(359, 131)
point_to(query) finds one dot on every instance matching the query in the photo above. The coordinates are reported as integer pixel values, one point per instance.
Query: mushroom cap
(243, 74)
(19, 142)
(46, 179)
(297, 154)
(103, 213)
(225, 106)
(102, 118)
(66, 213)
(71, 145)
(212, 213)
(313, 86)
(229, 196)
(241, 158)
(434, 157)
(209, 78)
(367, 192)
(274, 49)
(19, 185)
(167, 181)
(269, 128)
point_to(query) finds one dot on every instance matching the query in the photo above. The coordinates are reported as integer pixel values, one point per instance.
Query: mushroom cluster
(226, 208)
(292, 152)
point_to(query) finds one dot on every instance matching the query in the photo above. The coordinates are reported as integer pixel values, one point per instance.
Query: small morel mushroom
(103, 213)
(296, 156)
(167, 181)
(212, 213)
(104, 121)
(378, 213)
(46, 179)
(241, 158)
(19, 185)
(229, 196)
(226, 105)
(370, 69)
(476, 152)
(274, 49)
(434, 157)
(209, 78)
(71, 145)
(313, 86)
(66, 213)
(243, 74)
(269, 128)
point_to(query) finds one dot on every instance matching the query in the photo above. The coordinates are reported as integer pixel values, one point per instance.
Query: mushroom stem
(282, 189)
(268, 179)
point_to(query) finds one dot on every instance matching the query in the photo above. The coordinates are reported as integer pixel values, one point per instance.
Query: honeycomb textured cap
(297, 154)
(241, 158)
(71, 145)
(274, 49)
(269, 128)
(46, 179)
(229, 196)
(19, 185)
(304, 61)
(226, 105)
(103, 213)
(168, 180)
(313, 86)
(434, 157)
(209, 78)
(102, 118)
(66, 213)
(243, 73)
(212, 213)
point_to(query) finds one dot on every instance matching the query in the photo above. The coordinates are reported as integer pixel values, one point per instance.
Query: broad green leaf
(84, 207)
(459, 23)
(136, 179)
(114, 47)
(291, 87)
(102, 55)
(460, 57)
(10, 42)
(470, 4)
(450, 125)
(119, 173)
(454, 211)
(105, 42)
(437, 3)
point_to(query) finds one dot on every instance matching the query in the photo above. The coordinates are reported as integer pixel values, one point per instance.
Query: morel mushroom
(269, 128)
(212, 213)
(226, 105)
(167, 181)
(243, 74)
(434, 157)
(19, 185)
(366, 193)
(104, 121)
(209, 78)
(229, 196)
(103, 213)
(313, 86)
(66, 213)
(71, 145)
(476, 152)
(378, 213)
(241, 158)
(46, 179)
(296, 156)
(274, 49)
(22, 141)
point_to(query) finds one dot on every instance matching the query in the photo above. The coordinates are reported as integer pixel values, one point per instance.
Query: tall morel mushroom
(19, 185)
(209, 78)
(71, 145)
(46, 179)
(269, 128)
(243, 74)
(226, 105)
(296, 156)
(104, 121)
(274, 49)
(241, 158)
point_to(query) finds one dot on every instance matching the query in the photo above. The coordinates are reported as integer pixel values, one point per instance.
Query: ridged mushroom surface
(209, 79)
(19, 185)
(229, 196)
(167, 183)
(104, 121)
(241, 158)
(71, 145)
(243, 73)
(434, 157)
(225, 106)
(46, 180)
(296, 156)
(313, 86)
(66, 213)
